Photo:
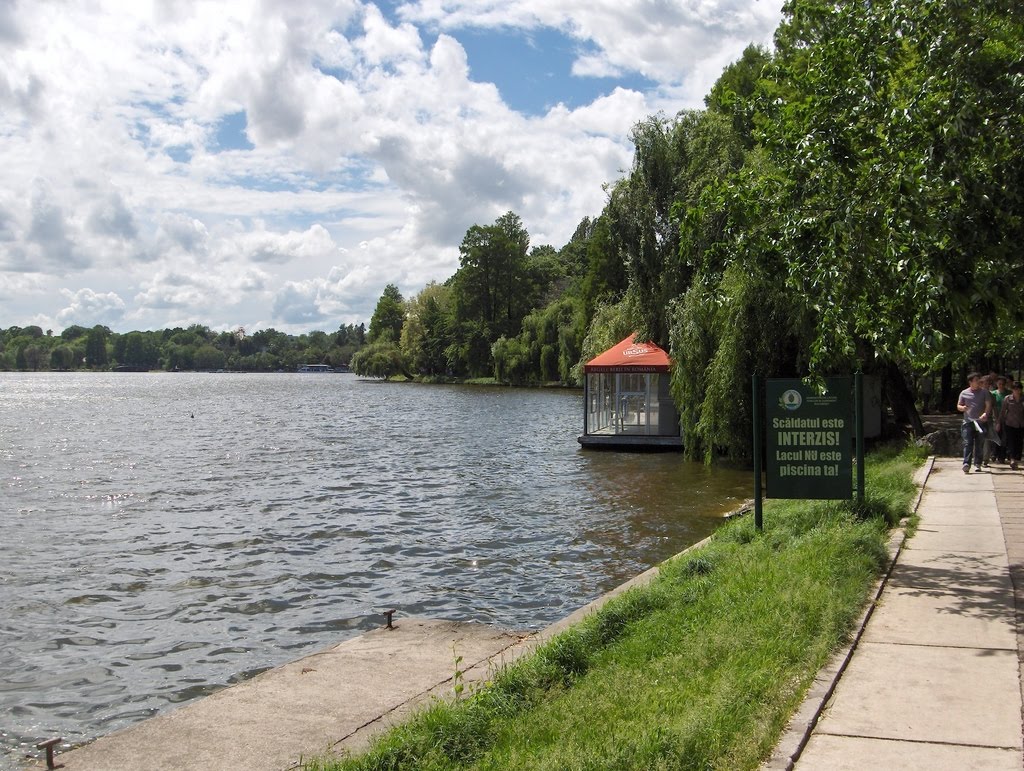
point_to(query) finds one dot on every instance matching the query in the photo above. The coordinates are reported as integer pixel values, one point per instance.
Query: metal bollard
(48, 746)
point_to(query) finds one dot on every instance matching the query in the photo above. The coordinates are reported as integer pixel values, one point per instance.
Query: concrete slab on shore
(334, 701)
(304, 708)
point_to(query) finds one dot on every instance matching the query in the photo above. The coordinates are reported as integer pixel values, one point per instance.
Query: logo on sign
(636, 350)
(791, 400)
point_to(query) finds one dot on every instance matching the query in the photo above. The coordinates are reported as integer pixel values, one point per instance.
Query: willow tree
(673, 161)
(738, 317)
(425, 335)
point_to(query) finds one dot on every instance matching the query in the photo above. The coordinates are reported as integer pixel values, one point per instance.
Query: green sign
(809, 440)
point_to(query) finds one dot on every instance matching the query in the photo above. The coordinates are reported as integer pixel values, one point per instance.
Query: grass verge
(701, 669)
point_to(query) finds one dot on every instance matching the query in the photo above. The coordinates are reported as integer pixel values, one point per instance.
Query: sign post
(758, 438)
(858, 403)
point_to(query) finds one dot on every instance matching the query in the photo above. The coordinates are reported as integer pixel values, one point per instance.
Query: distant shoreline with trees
(195, 348)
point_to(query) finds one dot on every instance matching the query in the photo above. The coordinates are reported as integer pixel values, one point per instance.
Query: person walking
(1011, 420)
(975, 403)
(995, 446)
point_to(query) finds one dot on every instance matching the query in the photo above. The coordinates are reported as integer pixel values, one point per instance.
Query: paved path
(934, 682)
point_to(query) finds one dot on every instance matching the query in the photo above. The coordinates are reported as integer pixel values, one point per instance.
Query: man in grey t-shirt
(975, 403)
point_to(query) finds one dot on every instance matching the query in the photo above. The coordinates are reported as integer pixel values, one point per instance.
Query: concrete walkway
(934, 681)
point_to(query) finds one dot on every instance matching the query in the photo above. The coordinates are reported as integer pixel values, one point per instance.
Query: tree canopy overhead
(898, 128)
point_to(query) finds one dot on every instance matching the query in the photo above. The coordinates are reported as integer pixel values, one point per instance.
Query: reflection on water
(165, 535)
(663, 504)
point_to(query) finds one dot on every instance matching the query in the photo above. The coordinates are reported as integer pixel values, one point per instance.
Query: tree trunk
(946, 395)
(904, 410)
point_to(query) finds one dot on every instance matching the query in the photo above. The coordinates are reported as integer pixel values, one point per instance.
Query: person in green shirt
(995, 444)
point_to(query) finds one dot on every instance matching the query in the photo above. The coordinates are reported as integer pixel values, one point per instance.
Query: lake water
(165, 535)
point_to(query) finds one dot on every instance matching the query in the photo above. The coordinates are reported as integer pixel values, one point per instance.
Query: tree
(425, 335)
(674, 161)
(901, 148)
(605, 279)
(901, 145)
(490, 301)
(734, 91)
(73, 332)
(512, 361)
(34, 356)
(381, 359)
(139, 351)
(873, 225)
(547, 349)
(180, 357)
(209, 358)
(96, 348)
(388, 317)
(62, 358)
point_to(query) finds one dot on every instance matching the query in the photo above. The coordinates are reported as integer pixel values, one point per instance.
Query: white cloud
(363, 130)
(9, 32)
(168, 289)
(48, 234)
(199, 293)
(338, 295)
(111, 217)
(385, 44)
(88, 308)
(263, 246)
(183, 232)
(8, 224)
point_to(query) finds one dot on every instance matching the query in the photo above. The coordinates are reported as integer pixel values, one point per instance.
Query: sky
(276, 163)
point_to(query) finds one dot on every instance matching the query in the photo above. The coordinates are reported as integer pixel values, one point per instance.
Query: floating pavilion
(627, 403)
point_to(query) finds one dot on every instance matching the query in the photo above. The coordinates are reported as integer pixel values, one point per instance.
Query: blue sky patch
(533, 70)
(179, 153)
(231, 133)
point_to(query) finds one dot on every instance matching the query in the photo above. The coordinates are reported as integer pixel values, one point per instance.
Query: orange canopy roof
(630, 356)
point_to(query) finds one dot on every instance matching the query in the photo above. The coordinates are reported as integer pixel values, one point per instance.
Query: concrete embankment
(333, 701)
(303, 708)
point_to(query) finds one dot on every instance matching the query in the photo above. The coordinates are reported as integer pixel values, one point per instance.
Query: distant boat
(315, 368)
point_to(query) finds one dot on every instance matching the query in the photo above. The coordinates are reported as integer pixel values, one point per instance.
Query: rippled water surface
(163, 535)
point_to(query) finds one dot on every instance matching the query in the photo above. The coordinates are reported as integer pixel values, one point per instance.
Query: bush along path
(700, 669)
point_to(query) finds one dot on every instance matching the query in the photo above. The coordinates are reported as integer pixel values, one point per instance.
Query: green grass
(699, 670)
